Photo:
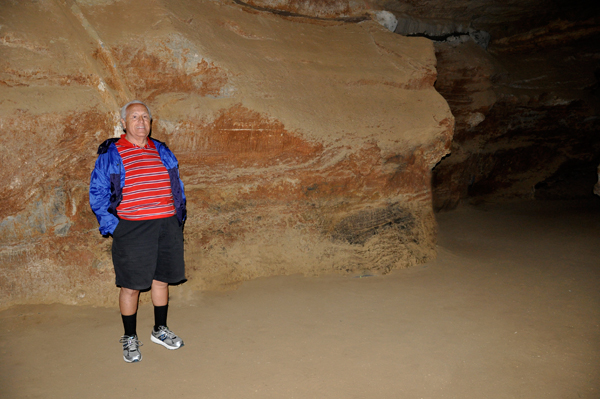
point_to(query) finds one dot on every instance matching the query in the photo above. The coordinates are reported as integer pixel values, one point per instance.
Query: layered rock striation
(526, 102)
(306, 146)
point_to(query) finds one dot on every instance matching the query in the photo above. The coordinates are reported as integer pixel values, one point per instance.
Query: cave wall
(306, 145)
(521, 78)
(526, 113)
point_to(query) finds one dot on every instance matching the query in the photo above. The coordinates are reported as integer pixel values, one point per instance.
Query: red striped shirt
(147, 191)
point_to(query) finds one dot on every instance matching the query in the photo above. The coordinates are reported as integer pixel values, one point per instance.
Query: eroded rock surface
(526, 115)
(526, 101)
(306, 146)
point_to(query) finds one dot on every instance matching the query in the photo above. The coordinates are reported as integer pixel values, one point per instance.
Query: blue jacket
(108, 179)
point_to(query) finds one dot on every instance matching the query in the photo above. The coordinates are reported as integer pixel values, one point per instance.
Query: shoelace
(132, 343)
(166, 333)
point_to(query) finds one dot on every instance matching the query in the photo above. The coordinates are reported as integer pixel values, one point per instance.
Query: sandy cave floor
(511, 309)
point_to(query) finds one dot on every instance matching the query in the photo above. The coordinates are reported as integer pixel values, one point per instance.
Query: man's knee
(159, 284)
(129, 292)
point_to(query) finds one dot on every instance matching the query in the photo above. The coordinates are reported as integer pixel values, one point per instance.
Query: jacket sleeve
(172, 165)
(100, 195)
(177, 190)
(183, 199)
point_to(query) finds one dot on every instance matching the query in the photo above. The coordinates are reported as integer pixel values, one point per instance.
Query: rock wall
(526, 115)
(597, 185)
(306, 146)
(526, 100)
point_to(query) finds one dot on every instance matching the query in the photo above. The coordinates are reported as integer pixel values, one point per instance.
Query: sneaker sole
(133, 361)
(158, 341)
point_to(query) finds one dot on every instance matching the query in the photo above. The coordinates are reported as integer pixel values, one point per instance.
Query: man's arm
(100, 195)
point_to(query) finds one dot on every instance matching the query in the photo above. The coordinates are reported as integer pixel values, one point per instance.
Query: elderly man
(138, 198)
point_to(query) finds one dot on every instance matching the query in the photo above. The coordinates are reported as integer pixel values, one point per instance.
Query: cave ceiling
(499, 18)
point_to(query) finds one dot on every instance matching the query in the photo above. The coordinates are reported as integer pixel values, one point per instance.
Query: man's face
(137, 124)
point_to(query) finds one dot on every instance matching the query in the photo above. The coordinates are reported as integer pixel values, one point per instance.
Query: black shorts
(146, 250)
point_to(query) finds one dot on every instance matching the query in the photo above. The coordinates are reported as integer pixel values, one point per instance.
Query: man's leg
(160, 299)
(161, 334)
(159, 293)
(128, 304)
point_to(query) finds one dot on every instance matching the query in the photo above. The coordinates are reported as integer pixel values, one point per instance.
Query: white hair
(124, 109)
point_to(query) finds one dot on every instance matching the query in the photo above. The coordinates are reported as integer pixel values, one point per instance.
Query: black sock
(160, 316)
(129, 324)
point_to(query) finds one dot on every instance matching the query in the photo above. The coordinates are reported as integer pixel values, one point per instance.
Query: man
(138, 198)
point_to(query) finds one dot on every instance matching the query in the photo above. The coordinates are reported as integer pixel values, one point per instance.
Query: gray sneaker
(131, 348)
(166, 338)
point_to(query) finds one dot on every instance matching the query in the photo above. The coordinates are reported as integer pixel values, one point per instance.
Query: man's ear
(123, 123)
